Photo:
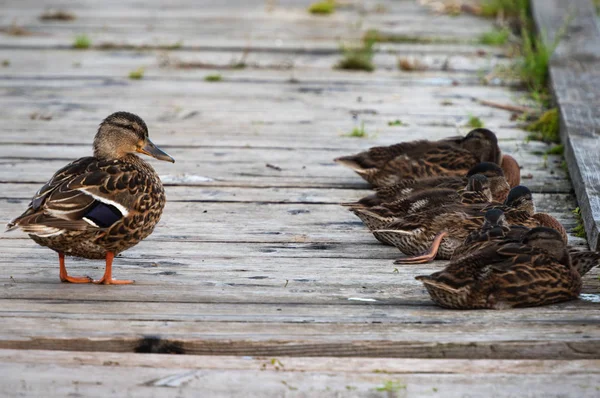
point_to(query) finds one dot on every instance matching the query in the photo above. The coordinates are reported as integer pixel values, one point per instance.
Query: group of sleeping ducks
(459, 199)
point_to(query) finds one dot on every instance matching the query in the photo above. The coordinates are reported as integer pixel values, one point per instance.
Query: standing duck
(383, 166)
(498, 185)
(535, 271)
(97, 207)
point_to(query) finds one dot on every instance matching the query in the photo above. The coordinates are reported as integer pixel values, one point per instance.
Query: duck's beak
(152, 150)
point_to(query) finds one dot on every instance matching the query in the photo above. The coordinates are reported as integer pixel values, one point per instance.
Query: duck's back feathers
(584, 261)
(382, 166)
(505, 275)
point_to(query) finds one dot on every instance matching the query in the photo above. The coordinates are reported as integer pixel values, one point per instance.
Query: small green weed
(396, 122)
(579, 229)
(556, 150)
(358, 132)
(474, 122)
(373, 35)
(357, 58)
(391, 386)
(496, 37)
(508, 8)
(546, 128)
(136, 74)
(324, 7)
(6, 63)
(82, 42)
(213, 78)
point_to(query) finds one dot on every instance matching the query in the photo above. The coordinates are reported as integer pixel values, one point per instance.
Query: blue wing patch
(103, 215)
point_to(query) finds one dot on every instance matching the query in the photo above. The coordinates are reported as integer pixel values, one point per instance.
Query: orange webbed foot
(75, 279)
(111, 281)
(427, 256)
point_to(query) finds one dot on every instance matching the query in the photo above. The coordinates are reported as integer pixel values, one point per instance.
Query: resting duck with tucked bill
(454, 156)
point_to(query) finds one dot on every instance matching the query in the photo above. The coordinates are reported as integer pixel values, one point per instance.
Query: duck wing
(85, 194)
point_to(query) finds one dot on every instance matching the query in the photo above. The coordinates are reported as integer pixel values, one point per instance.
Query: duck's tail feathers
(395, 231)
(352, 161)
(11, 226)
(585, 261)
(431, 283)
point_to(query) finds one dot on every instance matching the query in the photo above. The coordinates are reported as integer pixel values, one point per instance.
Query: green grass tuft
(396, 122)
(391, 386)
(579, 229)
(474, 122)
(324, 7)
(556, 150)
(546, 128)
(357, 58)
(82, 42)
(213, 78)
(136, 74)
(358, 132)
(375, 36)
(6, 63)
(496, 37)
(508, 8)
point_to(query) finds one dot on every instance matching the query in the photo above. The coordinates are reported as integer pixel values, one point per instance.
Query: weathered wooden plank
(576, 84)
(224, 166)
(235, 26)
(465, 66)
(272, 221)
(469, 341)
(353, 312)
(81, 373)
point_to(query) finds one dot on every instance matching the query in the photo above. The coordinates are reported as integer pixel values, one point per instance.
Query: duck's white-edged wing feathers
(82, 195)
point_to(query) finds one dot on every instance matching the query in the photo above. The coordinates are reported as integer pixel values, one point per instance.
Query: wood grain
(31, 373)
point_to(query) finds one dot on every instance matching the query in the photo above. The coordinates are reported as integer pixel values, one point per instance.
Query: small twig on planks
(506, 107)
(271, 166)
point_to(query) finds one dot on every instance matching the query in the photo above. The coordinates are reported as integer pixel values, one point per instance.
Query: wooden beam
(576, 85)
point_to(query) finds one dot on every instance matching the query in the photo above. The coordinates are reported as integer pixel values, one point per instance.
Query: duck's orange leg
(107, 278)
(428, 255)
(64, 277)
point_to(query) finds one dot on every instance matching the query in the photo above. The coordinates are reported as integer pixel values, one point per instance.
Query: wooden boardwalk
(255, 272)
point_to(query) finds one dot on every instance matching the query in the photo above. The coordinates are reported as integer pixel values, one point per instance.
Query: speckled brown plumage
(97, 207)
(496, 228)
(415, 233)
(476, 191)
(407, 187)
(506, 274)
(383, 166)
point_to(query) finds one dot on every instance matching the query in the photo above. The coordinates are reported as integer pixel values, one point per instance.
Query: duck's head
(484, 144)
(498, 185)
(124, 133)
(479, 183)
(520, 198)
(549, 240)
(494, 218)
